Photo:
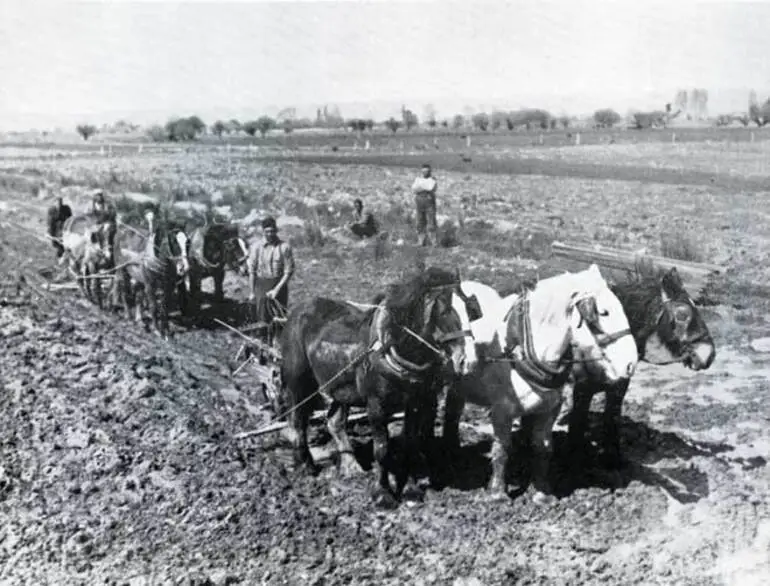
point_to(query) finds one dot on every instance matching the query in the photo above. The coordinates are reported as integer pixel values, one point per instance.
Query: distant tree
(760, 114)
(197, 124)
(288, 126)
(264, 125)
(218, 128)
(606, 117)
(480, 121)
(445, 123)
(86, 130)
(429, 115)
(564, 121)
(409, 118)
(458, 121)
(250, 127)
(233, 126)
(357, 125)
(392, 124)
(369, 124)
(498, 120)
(157, 133)
(183, 129)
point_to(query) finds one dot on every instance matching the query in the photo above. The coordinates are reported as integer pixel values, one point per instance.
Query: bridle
(588, 312)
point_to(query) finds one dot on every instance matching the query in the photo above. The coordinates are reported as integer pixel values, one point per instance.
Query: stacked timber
(695, 276)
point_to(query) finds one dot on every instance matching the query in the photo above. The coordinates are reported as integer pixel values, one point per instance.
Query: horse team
(428, 335)
(151, 270)
(514, 355)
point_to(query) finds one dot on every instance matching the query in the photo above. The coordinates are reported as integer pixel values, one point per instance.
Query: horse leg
(502, 415)
(98, 293)
(378, 420)
(219, 290)
(542, 450)
(615, 394)
(303, 459)
(453, 410)
(336, 423)
(152, 304)
(413, 429)
(167, 294)
(578, 427)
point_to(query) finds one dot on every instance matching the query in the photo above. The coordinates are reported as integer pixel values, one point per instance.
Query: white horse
(524, 346)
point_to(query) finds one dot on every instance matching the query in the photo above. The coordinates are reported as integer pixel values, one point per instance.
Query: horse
(667, 328)
(212, 250)
(96, 261)
(525, 344)
(160, 265)
(384, 359)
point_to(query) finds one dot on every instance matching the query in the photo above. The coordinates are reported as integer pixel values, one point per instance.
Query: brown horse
(384, 359)
(213, 249)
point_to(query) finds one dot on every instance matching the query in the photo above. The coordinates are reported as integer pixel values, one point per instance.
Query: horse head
(600, 334)
(679, 333)
(421, 325)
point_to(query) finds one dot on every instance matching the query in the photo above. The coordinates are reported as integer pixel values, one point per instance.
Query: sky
(65, 62)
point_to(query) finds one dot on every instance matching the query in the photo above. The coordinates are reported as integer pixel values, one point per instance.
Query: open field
(117, 463)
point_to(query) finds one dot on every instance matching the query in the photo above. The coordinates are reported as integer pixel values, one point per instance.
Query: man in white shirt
(424, 189)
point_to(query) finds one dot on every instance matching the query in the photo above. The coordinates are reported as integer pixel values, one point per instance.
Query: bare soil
(118, 463)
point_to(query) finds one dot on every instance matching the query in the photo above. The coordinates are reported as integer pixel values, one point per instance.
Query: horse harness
(669, 306)
(400, 366)
(519, 347)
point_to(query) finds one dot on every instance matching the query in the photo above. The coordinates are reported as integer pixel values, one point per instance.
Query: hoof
(349, 467)
(384, 500)
(496, 496)
(542, 499)
(413, 494)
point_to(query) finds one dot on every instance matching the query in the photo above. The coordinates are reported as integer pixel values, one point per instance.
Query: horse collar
(519, 346)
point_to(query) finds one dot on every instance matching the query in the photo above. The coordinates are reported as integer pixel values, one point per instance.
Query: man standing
(57, 215)
(271, 266)
(105, 214)
(363, 224)
(424, 189)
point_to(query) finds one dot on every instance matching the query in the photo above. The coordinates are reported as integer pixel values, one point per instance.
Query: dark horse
(212, 250)
(667, 328)
(373, 359)
(158, 267)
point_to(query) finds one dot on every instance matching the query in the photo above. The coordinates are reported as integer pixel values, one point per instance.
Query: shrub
(606, 118)
(86, 130)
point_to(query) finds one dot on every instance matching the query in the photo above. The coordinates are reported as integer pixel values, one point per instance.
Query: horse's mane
(551, 297)
(402, 298)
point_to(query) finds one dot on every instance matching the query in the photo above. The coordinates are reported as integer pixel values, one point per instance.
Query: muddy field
(118, 462)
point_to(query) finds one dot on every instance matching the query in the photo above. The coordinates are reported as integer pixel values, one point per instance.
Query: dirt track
(116, 466)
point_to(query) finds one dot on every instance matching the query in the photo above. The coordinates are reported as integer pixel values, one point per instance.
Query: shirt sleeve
(288, 260)
(416, 186)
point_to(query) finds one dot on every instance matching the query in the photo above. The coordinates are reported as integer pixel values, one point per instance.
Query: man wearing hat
(271, 266)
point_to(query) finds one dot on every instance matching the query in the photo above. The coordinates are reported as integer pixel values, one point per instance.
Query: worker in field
(270, 266)
(424, 190)
(105, 213)
(363, 225)
(57, 215)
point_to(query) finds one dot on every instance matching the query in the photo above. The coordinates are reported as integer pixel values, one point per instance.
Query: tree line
(192, 127)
